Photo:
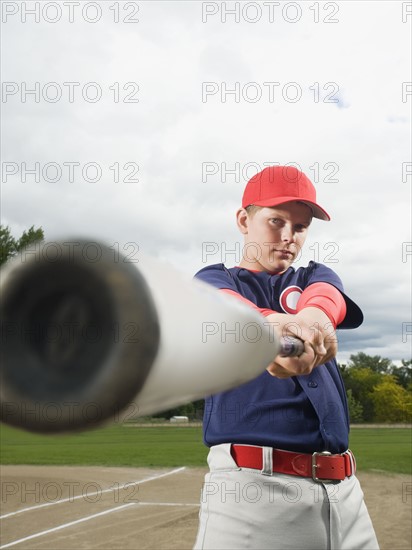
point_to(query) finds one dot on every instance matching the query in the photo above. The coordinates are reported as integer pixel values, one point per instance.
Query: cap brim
(318, 212)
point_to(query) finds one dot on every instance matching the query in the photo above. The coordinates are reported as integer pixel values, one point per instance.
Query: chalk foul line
(91, 494)
(64, 525)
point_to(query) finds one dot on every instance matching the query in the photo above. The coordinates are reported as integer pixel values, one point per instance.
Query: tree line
(378, 390)
(9, 246)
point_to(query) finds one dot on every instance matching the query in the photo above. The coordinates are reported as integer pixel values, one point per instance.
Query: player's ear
(242, 220)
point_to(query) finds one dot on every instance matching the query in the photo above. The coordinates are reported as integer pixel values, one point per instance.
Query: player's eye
(276, 221)
(299, 228)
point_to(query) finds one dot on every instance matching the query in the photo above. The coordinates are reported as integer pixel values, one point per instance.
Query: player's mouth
(285, 253)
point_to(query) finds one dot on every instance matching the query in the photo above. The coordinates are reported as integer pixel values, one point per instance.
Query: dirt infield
(91, 507)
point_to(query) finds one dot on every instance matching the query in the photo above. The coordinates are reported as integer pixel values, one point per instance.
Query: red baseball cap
(279, 184)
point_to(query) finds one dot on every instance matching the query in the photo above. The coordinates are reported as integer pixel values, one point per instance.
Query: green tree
(392, 403)
(9, 246)
(355, 408)
(361, 382)
(375, 363)
(403, 374)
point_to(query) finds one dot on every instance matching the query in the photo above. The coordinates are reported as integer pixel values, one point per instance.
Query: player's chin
(279, 265)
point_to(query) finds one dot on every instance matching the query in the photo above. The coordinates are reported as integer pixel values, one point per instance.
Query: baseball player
(281, 475)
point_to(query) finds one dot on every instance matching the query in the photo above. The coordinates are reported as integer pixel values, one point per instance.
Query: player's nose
(287, 234)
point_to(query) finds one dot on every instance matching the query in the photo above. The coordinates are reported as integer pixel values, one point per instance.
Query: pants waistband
(320, 466)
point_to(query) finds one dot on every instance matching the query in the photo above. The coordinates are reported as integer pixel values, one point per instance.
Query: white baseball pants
(244, 508)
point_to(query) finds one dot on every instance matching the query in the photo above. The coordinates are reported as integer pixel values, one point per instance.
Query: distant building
(179, 419)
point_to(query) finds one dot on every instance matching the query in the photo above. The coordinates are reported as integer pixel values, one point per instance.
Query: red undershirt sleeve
(262, 310)
(325, 297)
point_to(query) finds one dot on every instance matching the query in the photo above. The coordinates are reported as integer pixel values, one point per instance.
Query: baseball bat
(86, 332)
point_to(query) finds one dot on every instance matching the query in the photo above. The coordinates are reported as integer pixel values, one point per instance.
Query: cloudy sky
(140, 122)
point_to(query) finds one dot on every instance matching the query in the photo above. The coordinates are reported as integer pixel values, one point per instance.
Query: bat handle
(290, 347)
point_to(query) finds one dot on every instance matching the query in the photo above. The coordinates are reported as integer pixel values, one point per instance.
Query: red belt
(322, 466)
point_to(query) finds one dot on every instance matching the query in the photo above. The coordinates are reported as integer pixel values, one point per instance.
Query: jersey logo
(289, 299)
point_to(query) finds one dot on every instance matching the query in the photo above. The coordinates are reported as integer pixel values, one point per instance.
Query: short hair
(252, 209)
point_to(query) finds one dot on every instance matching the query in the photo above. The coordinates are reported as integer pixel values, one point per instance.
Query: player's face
(274, 236)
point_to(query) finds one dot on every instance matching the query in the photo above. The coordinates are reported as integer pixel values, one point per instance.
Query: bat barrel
(66, 325)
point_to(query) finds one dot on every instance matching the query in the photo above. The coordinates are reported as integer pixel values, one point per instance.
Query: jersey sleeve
(319, 273)
(218, 276)
(263, 310)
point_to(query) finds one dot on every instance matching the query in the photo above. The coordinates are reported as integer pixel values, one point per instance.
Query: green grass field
(111, 446)
(375, 448)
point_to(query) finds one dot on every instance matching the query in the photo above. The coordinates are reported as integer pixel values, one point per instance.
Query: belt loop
(267, 462)
(352, 462)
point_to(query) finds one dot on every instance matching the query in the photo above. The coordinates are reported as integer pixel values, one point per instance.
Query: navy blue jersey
(302, 413)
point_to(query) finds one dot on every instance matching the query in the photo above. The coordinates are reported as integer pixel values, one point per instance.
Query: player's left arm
(323, 297)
